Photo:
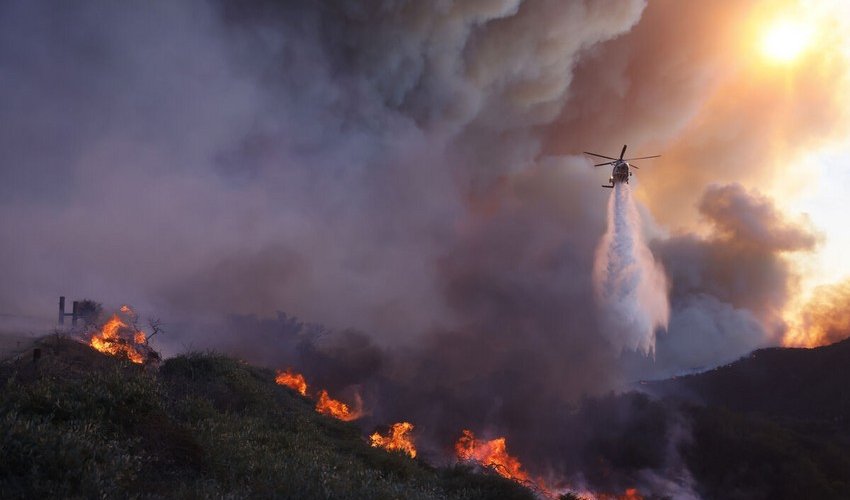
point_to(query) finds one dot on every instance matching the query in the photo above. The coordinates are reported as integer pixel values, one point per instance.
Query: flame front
(398, 439)
(326, 405)
(117, 338)
(631, 494)
(493, 454)
(292, 380)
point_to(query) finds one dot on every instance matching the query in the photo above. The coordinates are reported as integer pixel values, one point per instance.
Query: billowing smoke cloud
(729, 289)
(630, 285)
(209, 158)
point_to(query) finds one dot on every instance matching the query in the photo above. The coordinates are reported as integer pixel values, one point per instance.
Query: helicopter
(621, 172)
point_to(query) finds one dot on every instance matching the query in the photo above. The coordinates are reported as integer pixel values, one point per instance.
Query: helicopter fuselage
(620, 173)
(622, 168)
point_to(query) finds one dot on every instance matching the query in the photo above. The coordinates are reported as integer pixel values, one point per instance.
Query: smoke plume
(728, 288)
(630, 285)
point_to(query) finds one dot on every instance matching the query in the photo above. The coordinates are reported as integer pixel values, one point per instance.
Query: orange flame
(631, 494)
(491, 454)
(119, 339)
(139, 337)
(326, 405)
(398, 439)
(292, 380)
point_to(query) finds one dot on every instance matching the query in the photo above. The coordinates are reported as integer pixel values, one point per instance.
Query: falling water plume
(630, 285)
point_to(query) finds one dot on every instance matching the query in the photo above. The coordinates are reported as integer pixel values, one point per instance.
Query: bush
(204, 426)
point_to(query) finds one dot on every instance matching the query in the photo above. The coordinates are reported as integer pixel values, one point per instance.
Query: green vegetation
(775, 424)
(79, 424)
(747, 456)
(84, 425)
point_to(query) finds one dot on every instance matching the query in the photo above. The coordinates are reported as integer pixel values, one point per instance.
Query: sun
(785, 39)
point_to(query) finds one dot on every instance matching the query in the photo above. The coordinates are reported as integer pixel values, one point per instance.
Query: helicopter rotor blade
(623, 151)
(601, 156)
(643, 158)
(606, 163)
(632, 165)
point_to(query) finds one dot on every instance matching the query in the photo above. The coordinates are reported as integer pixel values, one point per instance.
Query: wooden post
(62, 310)
(74, 313)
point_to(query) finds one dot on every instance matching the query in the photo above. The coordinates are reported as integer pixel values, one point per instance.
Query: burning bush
(398, 439)
(294, 381)
(326, 405)
(119, 336)
(493, 454)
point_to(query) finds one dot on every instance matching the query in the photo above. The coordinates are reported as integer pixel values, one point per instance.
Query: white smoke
(631, 287)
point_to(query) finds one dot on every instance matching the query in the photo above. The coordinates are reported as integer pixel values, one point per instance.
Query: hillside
(806, 384)
(772, 425)
(79, 424)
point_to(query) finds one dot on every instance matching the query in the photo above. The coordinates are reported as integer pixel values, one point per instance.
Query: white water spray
(631, 287)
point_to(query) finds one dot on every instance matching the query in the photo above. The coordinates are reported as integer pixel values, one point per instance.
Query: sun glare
(785, 40)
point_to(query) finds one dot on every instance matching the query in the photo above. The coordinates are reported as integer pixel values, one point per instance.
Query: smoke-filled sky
(412, 172)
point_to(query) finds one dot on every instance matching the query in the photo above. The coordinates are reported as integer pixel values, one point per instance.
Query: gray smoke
(728, 289)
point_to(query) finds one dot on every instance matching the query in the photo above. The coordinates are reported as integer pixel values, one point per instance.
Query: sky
(407, 180)
(825, 203)
(202, 160)
(199, 160)
(816, 188)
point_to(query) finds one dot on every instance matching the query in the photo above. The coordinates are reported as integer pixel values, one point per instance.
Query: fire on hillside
(119, 336)
(492, 454)
(325, 404)
(294, 381)
(399, 438)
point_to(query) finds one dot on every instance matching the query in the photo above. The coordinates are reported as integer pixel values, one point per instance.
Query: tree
(89, 312)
